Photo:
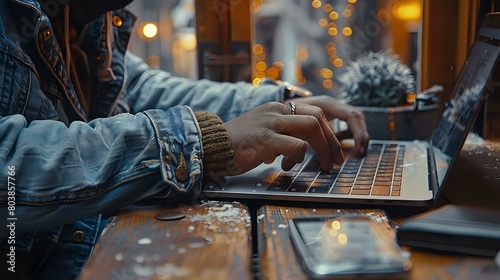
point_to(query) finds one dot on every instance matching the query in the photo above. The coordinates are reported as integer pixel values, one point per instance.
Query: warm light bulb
(409, 11)
(150, 30)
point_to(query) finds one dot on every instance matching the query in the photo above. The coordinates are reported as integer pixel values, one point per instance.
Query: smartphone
(347, 247)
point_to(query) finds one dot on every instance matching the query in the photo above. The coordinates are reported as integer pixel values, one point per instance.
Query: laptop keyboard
(380, 173)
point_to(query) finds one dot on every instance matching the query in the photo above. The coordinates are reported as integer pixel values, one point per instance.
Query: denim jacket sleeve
(62, 174)
(151, 88)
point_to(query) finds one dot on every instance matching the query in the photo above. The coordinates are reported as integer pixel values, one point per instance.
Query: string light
(332, 31)
(262, 70)
(260, 56)
(338, 63)
(332, 25)
(316, 4)
(257, 48)
(347, 13)
(272, 73)
(256, 82)
(322, 22)
(333, 15)
(327, 84)
(332, 51)
(261, 66)
(260, 74)
(347, 31)
(326, 73)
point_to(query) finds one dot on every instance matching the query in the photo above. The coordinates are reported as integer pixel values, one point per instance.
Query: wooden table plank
(213, 241)
(278, 260)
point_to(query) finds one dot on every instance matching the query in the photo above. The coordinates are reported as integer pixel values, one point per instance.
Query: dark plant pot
(401, 123)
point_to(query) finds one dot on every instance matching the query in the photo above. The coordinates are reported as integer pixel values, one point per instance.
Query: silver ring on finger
(292, 108)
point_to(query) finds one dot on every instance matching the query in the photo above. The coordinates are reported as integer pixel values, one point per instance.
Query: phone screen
(353, 244)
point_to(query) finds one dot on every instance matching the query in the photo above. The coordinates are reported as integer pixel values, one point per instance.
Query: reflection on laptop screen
(464, 103)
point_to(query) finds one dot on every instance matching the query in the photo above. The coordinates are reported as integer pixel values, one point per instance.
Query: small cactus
(377, 80)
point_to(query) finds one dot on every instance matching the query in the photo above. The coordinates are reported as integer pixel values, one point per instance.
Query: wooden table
(213, 241)
(278, 261)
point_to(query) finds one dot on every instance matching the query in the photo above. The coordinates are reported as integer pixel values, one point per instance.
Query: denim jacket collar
(36, 30)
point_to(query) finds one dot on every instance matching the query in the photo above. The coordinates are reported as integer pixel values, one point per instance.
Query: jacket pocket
(20, 92)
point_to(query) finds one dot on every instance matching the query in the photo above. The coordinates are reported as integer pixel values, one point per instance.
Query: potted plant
(384, 87)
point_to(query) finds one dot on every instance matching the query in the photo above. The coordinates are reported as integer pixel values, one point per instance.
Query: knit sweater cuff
(217, 150)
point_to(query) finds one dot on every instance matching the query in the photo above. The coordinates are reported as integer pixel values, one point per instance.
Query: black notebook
(454, 228)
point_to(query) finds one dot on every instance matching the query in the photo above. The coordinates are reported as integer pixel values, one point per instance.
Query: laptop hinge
(433, 177)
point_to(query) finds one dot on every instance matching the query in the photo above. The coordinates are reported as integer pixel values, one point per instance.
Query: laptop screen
(464, 103)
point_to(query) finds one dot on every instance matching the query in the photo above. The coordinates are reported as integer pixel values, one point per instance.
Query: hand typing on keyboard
(274, 129)
(353, 116)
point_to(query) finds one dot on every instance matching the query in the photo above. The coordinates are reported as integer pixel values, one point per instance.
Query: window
(309, 43)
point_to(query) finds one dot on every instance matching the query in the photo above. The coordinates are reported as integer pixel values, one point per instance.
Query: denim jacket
(62, 167)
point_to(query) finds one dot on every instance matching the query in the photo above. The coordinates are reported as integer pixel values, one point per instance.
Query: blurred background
(307, 43)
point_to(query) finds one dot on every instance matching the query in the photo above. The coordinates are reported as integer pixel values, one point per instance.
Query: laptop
(406, 173)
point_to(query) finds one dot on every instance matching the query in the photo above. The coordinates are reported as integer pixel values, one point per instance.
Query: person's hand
(270, 130)
(334, 109)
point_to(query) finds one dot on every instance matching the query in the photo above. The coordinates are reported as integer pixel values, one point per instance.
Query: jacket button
(46, 34)
(181, 173)
(117, 21)
(78, 236)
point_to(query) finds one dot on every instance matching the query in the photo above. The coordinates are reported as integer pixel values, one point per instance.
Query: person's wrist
(217, 149)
